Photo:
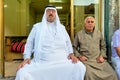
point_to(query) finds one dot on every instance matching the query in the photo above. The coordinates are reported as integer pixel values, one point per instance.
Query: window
(84, 8)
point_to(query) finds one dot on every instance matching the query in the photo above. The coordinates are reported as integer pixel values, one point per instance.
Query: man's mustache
(50, 15)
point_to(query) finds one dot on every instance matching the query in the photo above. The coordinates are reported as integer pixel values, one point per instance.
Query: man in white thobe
(52, 51)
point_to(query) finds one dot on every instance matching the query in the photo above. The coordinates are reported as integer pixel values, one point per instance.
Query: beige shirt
(89, 44)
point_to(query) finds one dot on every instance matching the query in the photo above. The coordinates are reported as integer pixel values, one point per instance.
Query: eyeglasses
(90, 21)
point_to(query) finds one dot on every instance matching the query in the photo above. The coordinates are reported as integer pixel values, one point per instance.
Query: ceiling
(39, 5)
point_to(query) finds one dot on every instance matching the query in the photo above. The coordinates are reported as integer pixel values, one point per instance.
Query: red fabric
(18, 49)
(23, 47)
(18, 46)
(14, 46)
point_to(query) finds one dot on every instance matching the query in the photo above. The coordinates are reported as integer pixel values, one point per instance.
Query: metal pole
(71, 20)
(1, 38)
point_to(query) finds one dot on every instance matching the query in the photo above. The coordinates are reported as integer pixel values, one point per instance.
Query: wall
(16, 15)
(111, 22)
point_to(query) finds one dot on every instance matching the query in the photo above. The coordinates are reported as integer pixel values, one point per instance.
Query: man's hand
(73, 58)
(100, 59)
(82, 58)
(26, 61)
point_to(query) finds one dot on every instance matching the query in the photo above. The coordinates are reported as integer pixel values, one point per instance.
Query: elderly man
(116, 51)
(89, 47)
(53, 57)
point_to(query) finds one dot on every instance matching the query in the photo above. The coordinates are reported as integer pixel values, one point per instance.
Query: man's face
(50, 13)
(90, 24)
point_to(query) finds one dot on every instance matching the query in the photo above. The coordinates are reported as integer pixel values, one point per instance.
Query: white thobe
(50, 61)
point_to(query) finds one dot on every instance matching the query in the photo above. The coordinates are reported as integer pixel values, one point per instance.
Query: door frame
(2, 68)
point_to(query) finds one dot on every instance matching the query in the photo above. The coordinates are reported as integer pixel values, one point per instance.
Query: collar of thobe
(52, 27)
(90, 33)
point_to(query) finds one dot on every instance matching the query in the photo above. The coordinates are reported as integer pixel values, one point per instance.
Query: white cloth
(58, 44)
(41, 36)
(51, 63)
(50, 45)
(57, 70)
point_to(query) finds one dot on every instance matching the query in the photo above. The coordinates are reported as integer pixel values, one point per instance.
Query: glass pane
(82, 9)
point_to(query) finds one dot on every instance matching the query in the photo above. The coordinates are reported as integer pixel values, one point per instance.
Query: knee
(83, 67)
(20, 73)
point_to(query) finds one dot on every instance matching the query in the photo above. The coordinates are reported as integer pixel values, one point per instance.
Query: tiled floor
(8, 78)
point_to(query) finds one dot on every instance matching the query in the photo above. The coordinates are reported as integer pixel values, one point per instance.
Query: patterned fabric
(115, 57)
(115, 42)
